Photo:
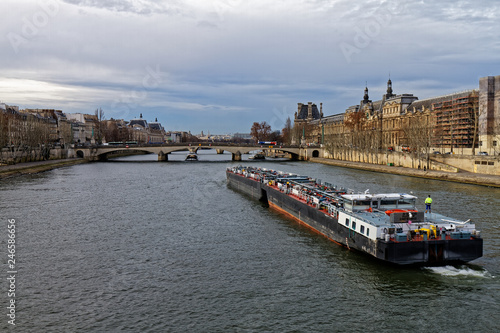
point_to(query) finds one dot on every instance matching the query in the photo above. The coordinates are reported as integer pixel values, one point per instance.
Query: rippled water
(140, 246)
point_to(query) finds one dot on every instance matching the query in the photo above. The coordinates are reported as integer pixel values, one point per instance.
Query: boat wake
(459, 271)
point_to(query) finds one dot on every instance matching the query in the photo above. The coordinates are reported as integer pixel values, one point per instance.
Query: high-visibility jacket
(428, 201)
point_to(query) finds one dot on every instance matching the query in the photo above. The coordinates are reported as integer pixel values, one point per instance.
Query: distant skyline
(218, 66)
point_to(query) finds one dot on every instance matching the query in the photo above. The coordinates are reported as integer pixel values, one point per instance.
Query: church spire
(366, 99)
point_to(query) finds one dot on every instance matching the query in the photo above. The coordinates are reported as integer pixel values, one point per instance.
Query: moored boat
(258, 156)
(387, 226)
(192, 157)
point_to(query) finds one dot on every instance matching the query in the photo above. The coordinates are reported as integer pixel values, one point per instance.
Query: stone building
(305, 122)
(381, 119)
(115, 130)
(140, 129)
(156, 132)
(144, 132)
(83, 127)
(403, 122)
(50, 117)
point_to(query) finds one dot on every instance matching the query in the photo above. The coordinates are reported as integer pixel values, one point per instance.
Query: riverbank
(28, 168)
(460, 177)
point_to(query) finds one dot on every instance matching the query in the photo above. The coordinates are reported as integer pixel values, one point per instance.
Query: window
(368, 231)
(353, 225)
(362, 229)
(494, 143)
(347, 222)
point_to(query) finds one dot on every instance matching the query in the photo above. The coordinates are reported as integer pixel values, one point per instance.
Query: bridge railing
(195, 144)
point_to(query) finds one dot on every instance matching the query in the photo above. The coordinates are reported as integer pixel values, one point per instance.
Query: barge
(386, 226)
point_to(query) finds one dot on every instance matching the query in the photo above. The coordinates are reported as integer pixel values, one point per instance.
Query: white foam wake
(459, 271)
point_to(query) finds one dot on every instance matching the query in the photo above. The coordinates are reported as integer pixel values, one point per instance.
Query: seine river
(135, 245)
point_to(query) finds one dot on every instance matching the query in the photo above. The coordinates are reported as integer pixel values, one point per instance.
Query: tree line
(262, 132)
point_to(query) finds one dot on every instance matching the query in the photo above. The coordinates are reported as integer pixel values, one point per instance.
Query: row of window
(494, 143)
(361, 229)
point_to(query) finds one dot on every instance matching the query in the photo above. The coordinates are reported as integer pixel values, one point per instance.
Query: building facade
(455, 123)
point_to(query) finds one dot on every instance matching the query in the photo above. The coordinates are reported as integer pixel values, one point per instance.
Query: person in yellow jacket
(428, 202)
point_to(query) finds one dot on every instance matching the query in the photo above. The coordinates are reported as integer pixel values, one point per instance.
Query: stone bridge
(99, 153)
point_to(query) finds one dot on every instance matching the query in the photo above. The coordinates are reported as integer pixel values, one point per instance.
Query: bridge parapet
(99, 153)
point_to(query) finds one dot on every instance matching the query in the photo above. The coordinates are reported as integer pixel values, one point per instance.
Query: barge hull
(432, 252)
(251, 187)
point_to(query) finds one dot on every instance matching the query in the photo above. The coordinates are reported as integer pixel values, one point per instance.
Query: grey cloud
(246, 56)
(142, 7)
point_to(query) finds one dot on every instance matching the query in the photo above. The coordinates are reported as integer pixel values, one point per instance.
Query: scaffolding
(455, 119)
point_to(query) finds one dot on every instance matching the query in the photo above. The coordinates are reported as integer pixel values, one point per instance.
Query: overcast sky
(220, 65)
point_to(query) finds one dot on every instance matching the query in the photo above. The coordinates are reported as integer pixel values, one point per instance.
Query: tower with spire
(366, 98)
(389, 89)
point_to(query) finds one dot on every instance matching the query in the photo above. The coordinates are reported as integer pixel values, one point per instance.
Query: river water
(135, 245)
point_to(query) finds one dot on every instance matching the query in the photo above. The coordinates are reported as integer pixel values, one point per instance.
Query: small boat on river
(192, 157)
(258, 156)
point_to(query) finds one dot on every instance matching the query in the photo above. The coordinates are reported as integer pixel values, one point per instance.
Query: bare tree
(474, 106)
(4, 126)
(355, 123)
(99, 113)
(286, 132)
(260, 131)
(417, 131)
(65, 132)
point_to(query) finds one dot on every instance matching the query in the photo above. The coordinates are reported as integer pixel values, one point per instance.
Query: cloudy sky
(220, 65)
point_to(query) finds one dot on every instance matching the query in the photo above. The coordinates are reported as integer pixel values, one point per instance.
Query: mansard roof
(140, 122)
(155, 126)
(419, 106)
(302, 114)
(334, 118)
(429, 102)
